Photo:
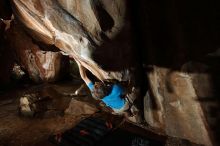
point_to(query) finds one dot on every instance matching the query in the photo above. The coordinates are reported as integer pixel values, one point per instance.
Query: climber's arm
(82, 71)
(83, 75)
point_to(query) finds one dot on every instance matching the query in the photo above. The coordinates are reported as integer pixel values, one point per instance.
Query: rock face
(99, 35)
(173, 102)
(83, 34)
(183, 80)
(41, 65)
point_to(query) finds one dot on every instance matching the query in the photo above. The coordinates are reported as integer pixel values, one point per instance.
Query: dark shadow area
(166, 34)
(105, 20)
(172, 33)
(5, 11)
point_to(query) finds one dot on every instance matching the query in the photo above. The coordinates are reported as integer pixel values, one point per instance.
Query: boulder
(172, 105)
(40, 65)
(78, 29)
(99, 35)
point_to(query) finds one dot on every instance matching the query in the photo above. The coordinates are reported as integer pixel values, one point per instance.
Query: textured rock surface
(173, 102)
(81, 33)
(77, 108)
(174, 34)
(41, 65)
(98, 34)
(18, 130)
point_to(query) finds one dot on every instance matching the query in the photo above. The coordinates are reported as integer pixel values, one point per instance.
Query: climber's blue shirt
(114, 99)
(91, 86)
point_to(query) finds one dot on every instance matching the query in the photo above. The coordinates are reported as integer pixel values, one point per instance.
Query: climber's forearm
(83, 75)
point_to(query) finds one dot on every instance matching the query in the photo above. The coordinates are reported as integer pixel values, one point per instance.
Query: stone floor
(16, 129)
(63, 111)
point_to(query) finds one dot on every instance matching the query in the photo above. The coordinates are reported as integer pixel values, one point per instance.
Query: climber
(110, 95)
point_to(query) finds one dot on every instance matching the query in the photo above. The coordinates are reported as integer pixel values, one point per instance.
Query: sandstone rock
(41, 65)
(77, 108)
(17, 72)
(75, 28)
(98, 35)
(85, 31)
(205, 82)
(43, 101)
(26, 108)
(172, 106)
(200, 73)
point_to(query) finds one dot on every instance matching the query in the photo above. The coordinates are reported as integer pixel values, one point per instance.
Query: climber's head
(100, 90)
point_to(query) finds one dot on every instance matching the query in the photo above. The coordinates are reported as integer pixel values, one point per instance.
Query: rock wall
(172, 105)
(83, 34)
(143, 42)
(41, 65)
(181, 54)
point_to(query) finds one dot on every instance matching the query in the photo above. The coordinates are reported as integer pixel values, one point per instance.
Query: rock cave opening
(109, 72)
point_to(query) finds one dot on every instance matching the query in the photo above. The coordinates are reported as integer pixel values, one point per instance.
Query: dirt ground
(16, 129)
(63, 111)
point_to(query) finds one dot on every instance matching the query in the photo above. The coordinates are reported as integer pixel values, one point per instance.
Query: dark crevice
(105, 20)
